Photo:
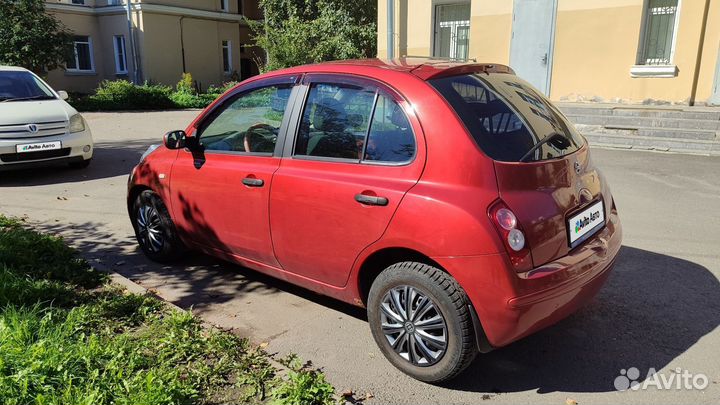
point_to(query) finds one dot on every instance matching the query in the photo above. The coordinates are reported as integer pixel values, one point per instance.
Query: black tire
(82, 164)
(451, 301)
(166, 246)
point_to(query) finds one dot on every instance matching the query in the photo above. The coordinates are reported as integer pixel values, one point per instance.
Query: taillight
(512, 235)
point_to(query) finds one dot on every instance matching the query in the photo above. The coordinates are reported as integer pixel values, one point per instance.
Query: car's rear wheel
(154, 229)
(420, 319)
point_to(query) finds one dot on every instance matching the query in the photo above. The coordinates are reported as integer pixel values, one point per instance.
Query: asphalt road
(659, 309)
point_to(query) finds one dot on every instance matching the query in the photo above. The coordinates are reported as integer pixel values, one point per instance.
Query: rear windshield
(509, 120)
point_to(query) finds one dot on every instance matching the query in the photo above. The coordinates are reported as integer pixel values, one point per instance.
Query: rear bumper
(72, 144)
(510, 305)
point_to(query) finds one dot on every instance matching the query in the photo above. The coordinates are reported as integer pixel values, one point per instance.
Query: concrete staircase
(662, 128)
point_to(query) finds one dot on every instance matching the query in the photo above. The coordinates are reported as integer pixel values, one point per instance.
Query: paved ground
(660, 308)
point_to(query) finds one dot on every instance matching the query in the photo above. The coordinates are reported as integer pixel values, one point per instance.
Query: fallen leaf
(347, 393)
(263, 345)
(571, 401)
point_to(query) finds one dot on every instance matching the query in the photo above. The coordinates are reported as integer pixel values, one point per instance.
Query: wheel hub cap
(413, 326)
(149, 228)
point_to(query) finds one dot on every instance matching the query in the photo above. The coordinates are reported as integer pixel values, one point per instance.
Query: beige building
(207, 38)
(590, 50)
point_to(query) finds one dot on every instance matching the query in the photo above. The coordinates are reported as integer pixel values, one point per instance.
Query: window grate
(659, 32)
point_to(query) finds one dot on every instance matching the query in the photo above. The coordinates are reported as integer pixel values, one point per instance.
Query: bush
(123, 95)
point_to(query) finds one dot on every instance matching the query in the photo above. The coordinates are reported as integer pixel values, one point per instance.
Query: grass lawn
(69, 337)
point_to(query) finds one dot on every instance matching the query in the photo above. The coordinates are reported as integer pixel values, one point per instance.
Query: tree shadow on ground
(653, 308)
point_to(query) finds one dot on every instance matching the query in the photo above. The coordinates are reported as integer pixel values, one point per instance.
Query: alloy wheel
(150, 228)
(413, 325)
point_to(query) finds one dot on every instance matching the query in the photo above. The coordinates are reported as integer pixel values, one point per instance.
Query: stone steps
(662, 128)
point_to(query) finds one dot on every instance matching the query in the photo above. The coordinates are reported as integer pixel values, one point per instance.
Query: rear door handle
(252, 182)
(371, 200)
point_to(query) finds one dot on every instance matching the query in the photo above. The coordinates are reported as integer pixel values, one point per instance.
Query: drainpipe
(136, 76)
(390, 29)
(698, 60)
(182, 44)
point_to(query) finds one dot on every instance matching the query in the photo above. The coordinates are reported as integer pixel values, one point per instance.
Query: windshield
(509, 120)
(20, 86)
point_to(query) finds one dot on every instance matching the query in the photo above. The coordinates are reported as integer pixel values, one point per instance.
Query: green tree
(32, 38)
(295, 32)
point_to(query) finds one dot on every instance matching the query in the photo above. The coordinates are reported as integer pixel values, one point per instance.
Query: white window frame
(120, 51)
(641, 68)
(77, 60)
(453, 25)
(224, 5)
(226, 44)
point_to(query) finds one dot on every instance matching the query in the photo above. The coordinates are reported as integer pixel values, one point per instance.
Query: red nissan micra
(454, 201)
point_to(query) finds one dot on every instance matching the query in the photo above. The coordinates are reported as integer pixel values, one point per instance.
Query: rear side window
(348, 121)
(509, 120)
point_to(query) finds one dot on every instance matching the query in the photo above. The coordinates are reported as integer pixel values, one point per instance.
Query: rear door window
(509, 120)
(354, 122)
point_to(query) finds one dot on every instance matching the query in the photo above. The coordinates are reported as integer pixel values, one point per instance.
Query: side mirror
(63, 95)
(175, 139)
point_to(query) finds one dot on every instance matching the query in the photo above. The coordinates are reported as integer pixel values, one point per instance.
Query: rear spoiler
(435, 71)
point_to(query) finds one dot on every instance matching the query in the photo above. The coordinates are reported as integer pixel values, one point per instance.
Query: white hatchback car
(37, 126)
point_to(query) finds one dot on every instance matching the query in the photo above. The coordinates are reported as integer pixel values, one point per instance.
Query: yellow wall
(709, 57)
(85, 81)
(596, 45)
(158, 43)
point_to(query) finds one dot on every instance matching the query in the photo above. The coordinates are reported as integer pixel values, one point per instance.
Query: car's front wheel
(420, 319)
(154, 229)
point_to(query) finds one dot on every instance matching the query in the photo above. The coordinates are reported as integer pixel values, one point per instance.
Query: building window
(240, 6)
(114, 2)
(78, 1)
(227, 56)
(82, 58)
(659, 33)
(224, 5)
(120, 55)
(452, 30)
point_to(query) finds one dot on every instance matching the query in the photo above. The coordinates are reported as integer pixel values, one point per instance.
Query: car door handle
(252, 182)
(371, 200)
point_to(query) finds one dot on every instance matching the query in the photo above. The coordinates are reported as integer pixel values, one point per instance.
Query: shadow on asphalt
(109, 160)
(653, 308)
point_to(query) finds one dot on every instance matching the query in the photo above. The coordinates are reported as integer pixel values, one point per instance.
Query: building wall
(158, 37)
(710, 56)
(596, 44)
(162, 49)
(83, 82)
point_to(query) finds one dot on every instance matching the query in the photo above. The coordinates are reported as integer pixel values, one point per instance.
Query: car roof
(424, 68)
(12, 69)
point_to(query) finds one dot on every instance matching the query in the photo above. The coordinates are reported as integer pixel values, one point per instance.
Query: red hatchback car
(453, 201)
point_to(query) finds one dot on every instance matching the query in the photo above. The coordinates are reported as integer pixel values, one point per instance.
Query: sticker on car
(585, 223)
(38, 147)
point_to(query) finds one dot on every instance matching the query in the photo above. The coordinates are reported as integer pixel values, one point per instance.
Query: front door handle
(252, 182)
(371, 200)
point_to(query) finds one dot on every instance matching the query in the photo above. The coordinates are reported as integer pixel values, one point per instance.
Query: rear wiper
(558, 140)
(27, 98)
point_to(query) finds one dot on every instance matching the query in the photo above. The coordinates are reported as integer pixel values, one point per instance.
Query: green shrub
(185, 85)
(113, 95)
